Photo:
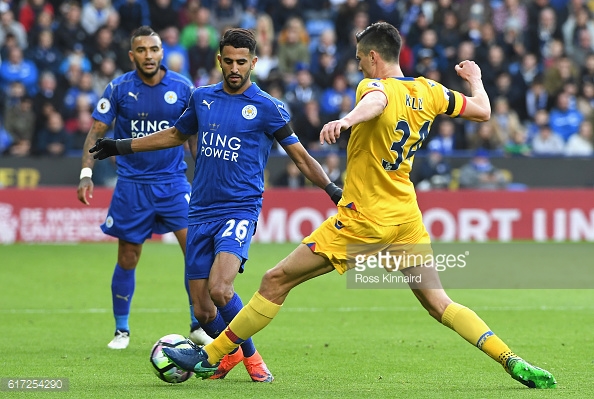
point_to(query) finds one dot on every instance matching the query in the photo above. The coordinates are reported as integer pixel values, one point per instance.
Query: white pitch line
(306, 309)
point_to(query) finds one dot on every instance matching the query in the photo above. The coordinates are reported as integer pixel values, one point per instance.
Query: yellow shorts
(349, 237)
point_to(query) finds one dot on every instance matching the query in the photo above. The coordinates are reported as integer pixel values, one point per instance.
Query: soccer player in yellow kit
(378, 209)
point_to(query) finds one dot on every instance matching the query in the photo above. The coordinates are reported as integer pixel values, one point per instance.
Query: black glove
(334, 192)
(105, 148)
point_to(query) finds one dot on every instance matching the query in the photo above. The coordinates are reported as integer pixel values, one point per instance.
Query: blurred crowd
(537, 59)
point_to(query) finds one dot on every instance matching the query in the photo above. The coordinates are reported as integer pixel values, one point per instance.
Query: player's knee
(273, 283)
(221, 295)
(128, 260)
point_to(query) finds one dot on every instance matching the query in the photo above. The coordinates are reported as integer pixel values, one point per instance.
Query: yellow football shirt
(381, 151)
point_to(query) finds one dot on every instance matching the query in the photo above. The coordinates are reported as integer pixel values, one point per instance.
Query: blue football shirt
(139, 110)
(235, 136)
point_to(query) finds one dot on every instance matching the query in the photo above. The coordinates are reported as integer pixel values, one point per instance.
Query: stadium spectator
(384, 10)
(76, 59)
(70, 31)
(291, 177)
(302, 90)
(19, 119)
(108, 70)
(578, 21)
(518, 145)
(267, 63)
(307, 124)
(8, 25)
(326, 70)
(430, 44)
(344, 21)
(324, 44)
(104, 47)
(434, 172)
(53, 139)
(509, 11)
(264, 30)
(505, 120)
(495, 64)
(444, 140)
(331, 166)
(45, 54)
(487, 137)
(49, 98)
(31, 10)
(201, 57)
(163, 14)
(292, 48)
(173, 48)
(77, 128)
(45, 21)
(95, 14)
(480, 174)
(18, 69)
(539, 36)
(580, 144)
(537, 98)
(133, 13)
(449, 36)
(83, 88)
(331, 98)
(226, 14)
(547, 142)
(200, 22)
(564, 120)
(282, 11)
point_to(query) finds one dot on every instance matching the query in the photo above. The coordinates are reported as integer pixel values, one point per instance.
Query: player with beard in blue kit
(236, 123)
(152, 192)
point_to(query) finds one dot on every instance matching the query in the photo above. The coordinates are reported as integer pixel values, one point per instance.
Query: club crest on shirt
(103, 106)
(170, 97)
(109, 221)
(249, 112)
(376, 85)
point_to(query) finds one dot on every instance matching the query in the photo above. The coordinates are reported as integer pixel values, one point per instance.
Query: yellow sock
(254, 316)
(474, 330)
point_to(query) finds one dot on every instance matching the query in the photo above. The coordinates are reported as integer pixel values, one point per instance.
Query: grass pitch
(327, 342)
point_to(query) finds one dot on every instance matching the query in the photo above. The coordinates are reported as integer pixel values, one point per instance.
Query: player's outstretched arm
(313, 170)
(370, 106)
(478, 107)
(85, 186)
(160, 140)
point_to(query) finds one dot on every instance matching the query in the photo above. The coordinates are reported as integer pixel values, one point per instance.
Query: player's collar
(164, 80)
(250, 92)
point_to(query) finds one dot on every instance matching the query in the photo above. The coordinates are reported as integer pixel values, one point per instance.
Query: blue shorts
(139, 210)
(206, 240)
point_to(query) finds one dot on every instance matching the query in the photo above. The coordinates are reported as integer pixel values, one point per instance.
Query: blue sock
(122, 290)
(215, 327)
(229, 311)
(194, 323)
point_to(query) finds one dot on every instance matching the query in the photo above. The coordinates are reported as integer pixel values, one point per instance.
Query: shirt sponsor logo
(141, 128)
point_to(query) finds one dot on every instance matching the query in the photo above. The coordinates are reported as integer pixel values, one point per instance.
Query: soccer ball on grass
(162, 366)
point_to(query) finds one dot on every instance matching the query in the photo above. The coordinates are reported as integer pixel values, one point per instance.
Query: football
(162, 366)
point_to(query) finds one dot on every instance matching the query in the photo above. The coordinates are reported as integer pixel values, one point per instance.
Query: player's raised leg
(123, 283)
(473, 329)
(301, 265)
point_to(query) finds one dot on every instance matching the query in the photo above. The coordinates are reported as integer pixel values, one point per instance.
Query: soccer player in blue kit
(152, 192)
(236, 123)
